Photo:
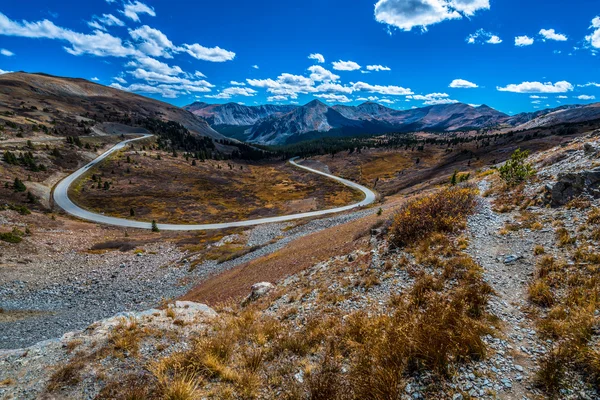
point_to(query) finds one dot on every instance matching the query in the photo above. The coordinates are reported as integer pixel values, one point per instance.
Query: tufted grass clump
(442, 212)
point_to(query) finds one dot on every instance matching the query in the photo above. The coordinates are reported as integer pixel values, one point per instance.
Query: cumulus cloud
(462, 84)
(586, 97)
(562, 97)
(214, 54)
(4, 72)
(132, 10)
(345, 66)
(387, 101)
(104, 21)
(199, 74)
(120, 80)
(151, 64)
(317, 57)
(320, 74)
(550, 34)
(6, 53)
(334, 88)
(164, 90)
(95, 79)
(378, 68)
(590, 84)
(538, 87)
(152, 42)
(406, 15)
(379, 89)
(255, 67)
(522, 41)
(279, 98)
(433, 99)
(233, 91)
(594, 38)
(334, 98)
(236, 83)
(535, 96)
(286, 85)
(98, 43)
(482, 36)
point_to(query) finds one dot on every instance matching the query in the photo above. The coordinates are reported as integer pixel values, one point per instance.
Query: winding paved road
(61, 198)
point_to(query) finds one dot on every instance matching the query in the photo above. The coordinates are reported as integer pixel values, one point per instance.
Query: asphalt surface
(61, 199)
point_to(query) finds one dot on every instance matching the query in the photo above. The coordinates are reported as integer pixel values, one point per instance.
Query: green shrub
(516, 170)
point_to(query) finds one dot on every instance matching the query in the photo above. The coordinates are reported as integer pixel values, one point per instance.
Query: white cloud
(236, 83)
(286, 85)
(562, 97)
(95, 79)
(345, 66)
(586, 97)
(538, 87)
(233, 91)
(522, 41)
(4, 72)
(378, 68)
(379, 89)
(255, 67)
(594, 38)
(407, 14)
(433, 99)
(334, 88)
(6, 53)
(120, 80)
(387, 101)
(320, 74)
(482, 36)
(132, 10)
(536, 102)
(98, 43)
(334, 98)
(462, 84)
(317, 57)
(590, 84)
(151, 64)
(214, 54)
(550, 34)
(104, 21)
(199, 74)
(152, 42)
(279, 98)
(535, 96)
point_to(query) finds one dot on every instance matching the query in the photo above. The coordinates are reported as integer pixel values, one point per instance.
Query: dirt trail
(508, 263)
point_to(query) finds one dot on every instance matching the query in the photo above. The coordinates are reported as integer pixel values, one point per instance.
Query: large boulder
(574, 184)
(258, 290)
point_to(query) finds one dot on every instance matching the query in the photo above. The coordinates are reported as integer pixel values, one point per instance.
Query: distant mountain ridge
(287, 124)
(275, 124)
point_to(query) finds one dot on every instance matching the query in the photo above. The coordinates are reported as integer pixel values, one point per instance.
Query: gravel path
(73, 290)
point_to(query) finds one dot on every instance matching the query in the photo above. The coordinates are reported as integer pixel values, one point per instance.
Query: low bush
(444, 211)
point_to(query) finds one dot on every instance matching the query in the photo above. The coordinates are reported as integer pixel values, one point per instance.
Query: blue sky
(511, 55)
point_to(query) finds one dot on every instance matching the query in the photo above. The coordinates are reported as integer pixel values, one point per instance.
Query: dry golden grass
(444, 211)
(172, 190)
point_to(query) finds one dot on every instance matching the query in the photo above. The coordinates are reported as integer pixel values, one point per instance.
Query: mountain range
(64, 101)
(276, 125)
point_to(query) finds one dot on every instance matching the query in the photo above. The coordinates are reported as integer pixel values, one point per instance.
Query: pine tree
(131, 212)
(155, 226)
(453, 179)
(19, 186)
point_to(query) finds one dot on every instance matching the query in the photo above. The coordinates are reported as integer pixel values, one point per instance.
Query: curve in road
(61, 198)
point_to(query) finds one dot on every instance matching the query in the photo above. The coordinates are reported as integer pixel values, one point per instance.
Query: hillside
(289, 124)
(64, 103)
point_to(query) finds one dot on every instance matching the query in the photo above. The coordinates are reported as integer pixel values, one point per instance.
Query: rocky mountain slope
(64, 102)
(235, 114)
(288, 124)
(271, 124)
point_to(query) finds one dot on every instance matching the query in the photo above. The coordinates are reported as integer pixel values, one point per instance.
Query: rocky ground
(69, 287)
(500, 242)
